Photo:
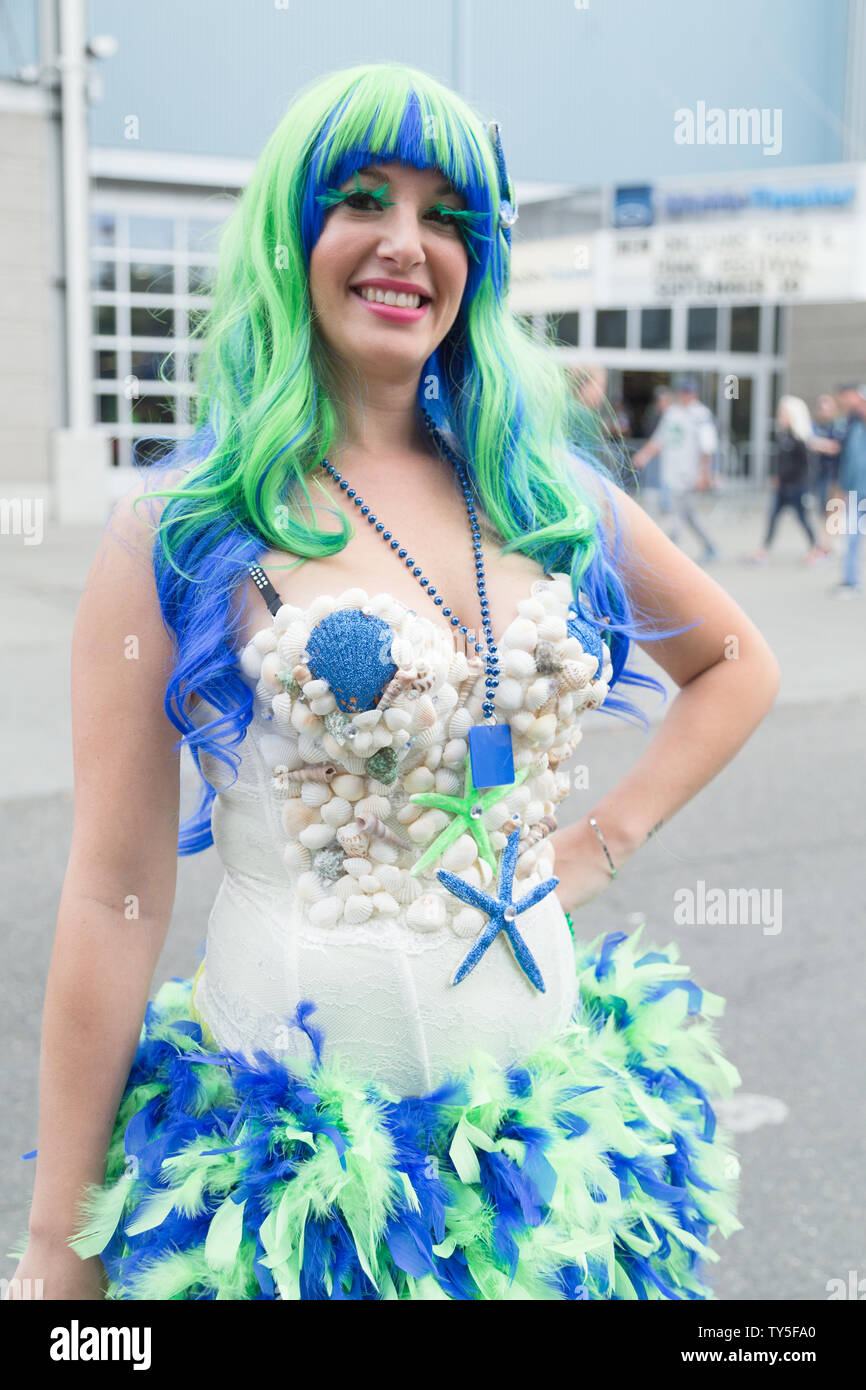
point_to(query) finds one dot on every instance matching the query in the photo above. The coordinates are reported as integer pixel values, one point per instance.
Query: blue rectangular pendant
(491, 756)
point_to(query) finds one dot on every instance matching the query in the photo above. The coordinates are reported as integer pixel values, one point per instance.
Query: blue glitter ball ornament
(351, 650)
(587, 635)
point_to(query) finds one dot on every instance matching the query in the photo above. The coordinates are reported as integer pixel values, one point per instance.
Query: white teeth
(401, 301)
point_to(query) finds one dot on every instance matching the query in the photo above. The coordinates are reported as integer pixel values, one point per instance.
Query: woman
(791, 476)
(395, 1075)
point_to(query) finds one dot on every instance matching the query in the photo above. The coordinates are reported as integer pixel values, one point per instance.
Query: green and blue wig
(267, 410)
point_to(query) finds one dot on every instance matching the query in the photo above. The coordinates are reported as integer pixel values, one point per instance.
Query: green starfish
(468, 811)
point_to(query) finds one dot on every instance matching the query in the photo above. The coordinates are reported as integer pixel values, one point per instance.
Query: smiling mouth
(393, 298)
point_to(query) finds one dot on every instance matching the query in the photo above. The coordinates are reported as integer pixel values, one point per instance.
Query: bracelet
(595, 825)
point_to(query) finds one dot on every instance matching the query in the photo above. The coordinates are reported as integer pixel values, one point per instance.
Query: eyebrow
(444, 187)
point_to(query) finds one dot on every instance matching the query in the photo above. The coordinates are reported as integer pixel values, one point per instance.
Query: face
(826, 407)
(782, 418)
(850, 401)
(408, 250)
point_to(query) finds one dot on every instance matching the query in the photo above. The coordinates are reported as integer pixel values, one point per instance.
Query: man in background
(685, 439)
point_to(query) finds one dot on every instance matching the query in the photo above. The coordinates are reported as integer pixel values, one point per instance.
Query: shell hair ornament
(507, 202)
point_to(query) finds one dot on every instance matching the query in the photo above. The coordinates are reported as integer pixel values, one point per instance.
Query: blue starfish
(502, 912)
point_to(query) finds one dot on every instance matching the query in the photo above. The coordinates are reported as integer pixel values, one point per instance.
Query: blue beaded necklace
(491, 754)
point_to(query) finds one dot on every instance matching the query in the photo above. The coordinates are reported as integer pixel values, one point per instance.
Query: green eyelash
(463, 217)
(333, 196)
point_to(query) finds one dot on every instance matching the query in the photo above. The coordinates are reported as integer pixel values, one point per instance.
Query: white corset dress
(326, 894)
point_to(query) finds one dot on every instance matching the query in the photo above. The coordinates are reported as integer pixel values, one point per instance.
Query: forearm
(96, 994)
(708, 721)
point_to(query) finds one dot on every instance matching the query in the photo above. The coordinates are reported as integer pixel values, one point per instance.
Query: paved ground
(787, 814)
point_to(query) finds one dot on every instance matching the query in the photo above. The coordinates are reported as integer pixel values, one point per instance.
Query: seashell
(357, 908)
(328, 864)
(323, 773)
(324, 704)
(382, 852)
(350, 650)
(467, 923)
(271, 665)
(520, 633)
(383, 765)
(285, 614)
(427, 913)
(518, 664)
(314, 689)
(426, 826)
(301, 673)
(284, 783)
(311, 749)
(396, 689)
(296, 816)
(362, 744)
(336, 812)
(420, 779)
(458, 670)
(449, 782)
(303, 718)
(357, 866)
(538, 693)
(373, 826)
(251, 662)
(460, 855)
(353, 839)
(344, 887)
(337, 723)
(425, 714)
(316, 835)
(485, 871)
(354, 598)
(498, 840)
(356, 766)
(522, 720)
(460, 723)
(396, 718)
(409, 890)
(279, 749)
(525, 863)
(281, 706)
(389, 877)
(533, 811)
(265, 641)
(296, 856)
(385, 905)
(547, 661)
(455, 752)
(315, 793)
(552, 628)
(348, 785)
(326, 912)
(509, 695)
(543, 729)
(291, 643)
(445, 699)
(407, 814)
(369, 883)
(532, 608)
(381, 738)
(309, 887)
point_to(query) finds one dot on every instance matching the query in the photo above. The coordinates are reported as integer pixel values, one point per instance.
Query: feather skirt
(593, 1169)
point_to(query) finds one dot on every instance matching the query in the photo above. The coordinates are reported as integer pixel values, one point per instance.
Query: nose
(400, 239)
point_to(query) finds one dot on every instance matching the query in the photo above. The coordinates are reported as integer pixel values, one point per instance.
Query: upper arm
(668, 590)
(127, 781)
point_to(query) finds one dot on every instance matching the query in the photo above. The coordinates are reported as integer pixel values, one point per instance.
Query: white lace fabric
(319, 838)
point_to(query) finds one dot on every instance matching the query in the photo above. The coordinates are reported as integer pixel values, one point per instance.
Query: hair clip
(507, 202)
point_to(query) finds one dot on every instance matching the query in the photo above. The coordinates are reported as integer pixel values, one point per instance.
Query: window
(151, 279)
(563, 329)
(196, 319)
(610, 328)
(203, 235)
(106, 409)
(655, 328)
(153, 410)
(103, 229)
(102, 275)
(151, 323)
(201, 279)
(778, 331)
(701, 330)
(146, 366)
(151, 233)
(104, 318)
(105, 363)
(745, 328)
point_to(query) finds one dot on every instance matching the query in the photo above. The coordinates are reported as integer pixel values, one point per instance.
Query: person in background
(685, 440)
(828, 428)
(852, 485)
(791, 477)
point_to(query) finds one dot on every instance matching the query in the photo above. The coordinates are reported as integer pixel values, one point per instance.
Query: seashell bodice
(352, 794)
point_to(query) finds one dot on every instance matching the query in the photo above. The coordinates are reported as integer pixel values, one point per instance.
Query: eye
(440, 214)
(362, 201)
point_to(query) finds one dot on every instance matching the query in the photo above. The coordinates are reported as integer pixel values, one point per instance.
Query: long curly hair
(267, 410)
